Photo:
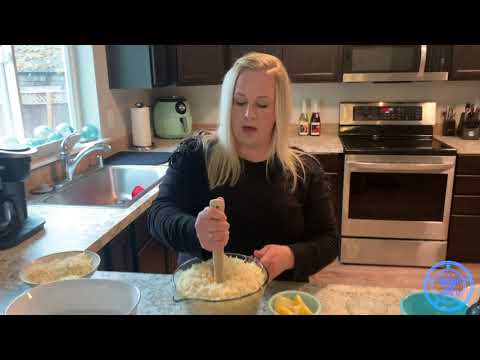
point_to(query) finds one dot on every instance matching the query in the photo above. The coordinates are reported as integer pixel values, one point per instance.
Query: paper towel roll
(141, 128)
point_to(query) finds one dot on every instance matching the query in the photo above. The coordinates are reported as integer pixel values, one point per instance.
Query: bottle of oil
(315, 120)
(303, 124)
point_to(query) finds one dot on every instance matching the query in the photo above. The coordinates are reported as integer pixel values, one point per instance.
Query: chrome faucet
(70, 164)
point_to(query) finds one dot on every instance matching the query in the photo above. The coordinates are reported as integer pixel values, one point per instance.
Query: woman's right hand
(212, 229)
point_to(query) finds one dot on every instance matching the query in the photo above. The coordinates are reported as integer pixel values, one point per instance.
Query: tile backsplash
(204, 99)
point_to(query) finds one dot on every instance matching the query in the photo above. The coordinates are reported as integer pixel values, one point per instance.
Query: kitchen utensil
(95, 261)
(449, 122)
(461, 125)
(218, 254)
(244, 305)
(77, 297)
(311, 301)
(418, 304)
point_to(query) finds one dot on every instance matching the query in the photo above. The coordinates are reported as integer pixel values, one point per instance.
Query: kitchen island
(157, 295)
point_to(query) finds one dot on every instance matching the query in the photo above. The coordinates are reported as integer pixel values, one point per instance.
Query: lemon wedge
(296, 306)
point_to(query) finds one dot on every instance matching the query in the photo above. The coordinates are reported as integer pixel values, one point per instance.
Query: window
(38, 94)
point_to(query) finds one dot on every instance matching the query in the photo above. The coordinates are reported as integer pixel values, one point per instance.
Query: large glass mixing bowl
(247, 304)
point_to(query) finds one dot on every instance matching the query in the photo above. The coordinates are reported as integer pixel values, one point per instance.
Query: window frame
(8, 70)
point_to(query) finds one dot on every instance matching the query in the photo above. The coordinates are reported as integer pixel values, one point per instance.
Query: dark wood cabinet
(200, 64)
(439, 58)
(333, 167)
(160, 64)
(463, 240)
(465, 62)
(313, 63)
(468, 165)
(120, 252)
(135, 250)
(151, 256)
(156, 258)
(466, 205)
(137, 66)
(467, 185)
(237, 51)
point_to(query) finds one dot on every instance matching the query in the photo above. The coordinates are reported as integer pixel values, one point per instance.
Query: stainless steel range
(397, 187)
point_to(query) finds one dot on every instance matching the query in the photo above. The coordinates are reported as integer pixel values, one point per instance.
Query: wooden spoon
(219, 204)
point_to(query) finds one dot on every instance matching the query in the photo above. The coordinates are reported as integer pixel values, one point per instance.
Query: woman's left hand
(276, 258)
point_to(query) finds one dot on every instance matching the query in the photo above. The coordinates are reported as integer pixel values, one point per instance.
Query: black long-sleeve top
(260, 210)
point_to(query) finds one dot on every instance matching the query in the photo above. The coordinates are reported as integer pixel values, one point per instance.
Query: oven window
(397, 196)
(385, 58)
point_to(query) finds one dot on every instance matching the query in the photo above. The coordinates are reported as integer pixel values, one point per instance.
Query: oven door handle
(398, 167)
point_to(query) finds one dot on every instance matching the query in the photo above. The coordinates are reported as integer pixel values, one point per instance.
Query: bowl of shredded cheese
(66, 265)
(241, 292)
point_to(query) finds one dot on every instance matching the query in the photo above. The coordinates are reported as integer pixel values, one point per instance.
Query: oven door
(390, 63)
(401, 196)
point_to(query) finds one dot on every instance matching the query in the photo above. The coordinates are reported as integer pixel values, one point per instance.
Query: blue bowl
(418, 304)
(309, 300)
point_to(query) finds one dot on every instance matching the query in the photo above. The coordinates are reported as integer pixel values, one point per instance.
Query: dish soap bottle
(303, 125)
(315, 120)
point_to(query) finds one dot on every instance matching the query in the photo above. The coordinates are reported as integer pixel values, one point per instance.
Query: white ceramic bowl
(77, 297)
(95, 258)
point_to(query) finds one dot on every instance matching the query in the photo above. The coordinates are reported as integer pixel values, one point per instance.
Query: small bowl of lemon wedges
(294, 302)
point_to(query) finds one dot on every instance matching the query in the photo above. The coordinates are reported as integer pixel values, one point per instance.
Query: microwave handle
(398, 167)
(423, 61)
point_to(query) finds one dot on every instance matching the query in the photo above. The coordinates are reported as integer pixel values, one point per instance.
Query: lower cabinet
(463, 240)
(333, 166)
(135, 250)
(156, 258)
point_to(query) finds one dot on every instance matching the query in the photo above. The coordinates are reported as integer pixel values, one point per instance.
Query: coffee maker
(15, 223)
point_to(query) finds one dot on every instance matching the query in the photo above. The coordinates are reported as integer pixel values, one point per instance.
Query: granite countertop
(157, 293)
(464, 147)
(323, 144)
(157, 296)
(69, 228)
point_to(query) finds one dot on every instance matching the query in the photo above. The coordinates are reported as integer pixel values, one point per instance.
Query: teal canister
(171, 117)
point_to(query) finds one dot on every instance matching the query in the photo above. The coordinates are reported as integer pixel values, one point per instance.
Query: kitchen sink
(109, 186)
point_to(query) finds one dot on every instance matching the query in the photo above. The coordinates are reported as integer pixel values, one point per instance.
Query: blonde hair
(223, 163)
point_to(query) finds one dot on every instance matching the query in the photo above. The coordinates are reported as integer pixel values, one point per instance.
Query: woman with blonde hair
(277, 204)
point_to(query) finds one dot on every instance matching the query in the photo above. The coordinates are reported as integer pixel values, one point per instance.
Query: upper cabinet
(160, 64)
(152, 66)
(313, 63)
(200, 64)
(465, 62)
(237, 51)
(439, 58)
(137, 66)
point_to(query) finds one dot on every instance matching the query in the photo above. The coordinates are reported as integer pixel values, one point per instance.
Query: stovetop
(412, 145)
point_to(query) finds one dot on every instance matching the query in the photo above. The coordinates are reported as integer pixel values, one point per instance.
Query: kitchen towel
(141, 127)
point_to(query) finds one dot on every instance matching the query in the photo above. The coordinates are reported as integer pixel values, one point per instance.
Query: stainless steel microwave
(395, 63)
